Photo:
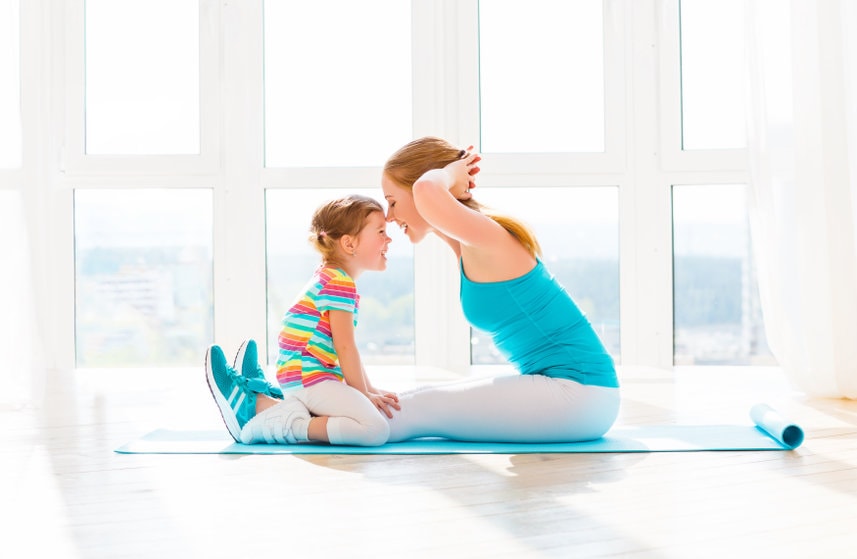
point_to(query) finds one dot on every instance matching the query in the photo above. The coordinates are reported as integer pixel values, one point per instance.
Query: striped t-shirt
(306, 354)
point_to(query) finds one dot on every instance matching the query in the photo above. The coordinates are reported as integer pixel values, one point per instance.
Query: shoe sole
(239, 357)
(229, 419)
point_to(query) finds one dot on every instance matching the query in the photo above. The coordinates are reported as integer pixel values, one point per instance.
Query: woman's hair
(410, 162)
(336, 218)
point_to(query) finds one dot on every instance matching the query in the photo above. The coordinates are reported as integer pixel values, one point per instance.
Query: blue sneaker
(247, 361)
(234, 395)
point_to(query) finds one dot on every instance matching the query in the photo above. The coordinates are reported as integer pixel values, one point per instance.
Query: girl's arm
(345, 346)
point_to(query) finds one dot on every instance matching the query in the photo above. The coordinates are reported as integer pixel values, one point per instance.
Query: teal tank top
(538, 327)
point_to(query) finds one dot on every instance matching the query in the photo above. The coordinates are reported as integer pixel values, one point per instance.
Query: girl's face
(402, 211)
(371, 244)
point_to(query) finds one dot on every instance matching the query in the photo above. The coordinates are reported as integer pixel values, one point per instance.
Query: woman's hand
(384, 401)
(463, 172)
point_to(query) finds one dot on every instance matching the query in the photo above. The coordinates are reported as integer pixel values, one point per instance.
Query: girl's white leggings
(352, 418)
(516, 408)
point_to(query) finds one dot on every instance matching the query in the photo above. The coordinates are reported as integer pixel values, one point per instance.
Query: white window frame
(642, 158)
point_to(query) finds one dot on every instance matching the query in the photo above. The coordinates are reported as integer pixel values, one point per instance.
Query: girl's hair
(410, 162)
(336, 218)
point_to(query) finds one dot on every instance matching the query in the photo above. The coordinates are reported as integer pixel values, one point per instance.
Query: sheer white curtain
(802, 62)
(21, 369)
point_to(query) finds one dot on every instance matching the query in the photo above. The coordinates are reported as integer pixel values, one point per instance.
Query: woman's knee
(377, 431)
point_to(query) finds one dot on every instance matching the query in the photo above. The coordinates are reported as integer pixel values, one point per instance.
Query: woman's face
(402, 211)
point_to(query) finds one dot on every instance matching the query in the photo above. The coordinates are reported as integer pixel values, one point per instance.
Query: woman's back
(538, 328)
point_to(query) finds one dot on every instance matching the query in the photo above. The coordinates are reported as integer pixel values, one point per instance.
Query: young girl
(326, 395)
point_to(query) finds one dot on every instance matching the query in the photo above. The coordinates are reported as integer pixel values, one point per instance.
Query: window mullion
(645, 236)
(444, 50)
(239, 209)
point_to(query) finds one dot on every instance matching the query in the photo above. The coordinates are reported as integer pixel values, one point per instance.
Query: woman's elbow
(431, 181)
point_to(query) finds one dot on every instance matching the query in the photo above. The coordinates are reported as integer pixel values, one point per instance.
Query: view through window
(712, 74)
(541, 76)
(142, 77)
(143, 276)
(717, 314)
(337, 92)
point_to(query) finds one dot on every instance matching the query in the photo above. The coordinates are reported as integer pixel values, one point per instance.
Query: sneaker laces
(255, 385)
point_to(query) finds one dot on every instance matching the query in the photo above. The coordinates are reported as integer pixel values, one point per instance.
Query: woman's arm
(436, 197)
(487, 250)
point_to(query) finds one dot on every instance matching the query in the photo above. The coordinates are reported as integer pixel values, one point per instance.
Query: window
(226, 114)
(541, 68)
(10, 116)
(337, 82)
(385, 328)
(143, 276)
(717, 315)
(712, 74)
(142, 77)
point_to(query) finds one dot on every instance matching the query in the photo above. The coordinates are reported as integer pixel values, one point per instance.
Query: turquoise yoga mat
(769, 431)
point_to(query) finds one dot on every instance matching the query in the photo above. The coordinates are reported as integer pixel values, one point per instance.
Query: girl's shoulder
(331, 277)
(328, 273)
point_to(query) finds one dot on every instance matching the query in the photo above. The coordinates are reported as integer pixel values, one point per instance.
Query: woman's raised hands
(463, 172)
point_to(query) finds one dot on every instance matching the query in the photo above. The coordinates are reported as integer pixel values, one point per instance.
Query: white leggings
(352, 418)
(517, 408)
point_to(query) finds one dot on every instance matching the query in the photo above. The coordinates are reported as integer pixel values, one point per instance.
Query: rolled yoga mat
(771, 422)
(770, 431)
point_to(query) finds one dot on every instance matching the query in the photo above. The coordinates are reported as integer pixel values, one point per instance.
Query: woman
(567, 388)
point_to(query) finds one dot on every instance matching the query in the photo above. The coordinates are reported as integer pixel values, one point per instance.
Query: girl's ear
(348, 244)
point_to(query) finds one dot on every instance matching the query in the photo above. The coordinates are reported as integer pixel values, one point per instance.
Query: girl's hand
(463, 172)
(382, 392)
(384, 401)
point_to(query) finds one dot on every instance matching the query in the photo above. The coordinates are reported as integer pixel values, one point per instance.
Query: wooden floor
(66, 494)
